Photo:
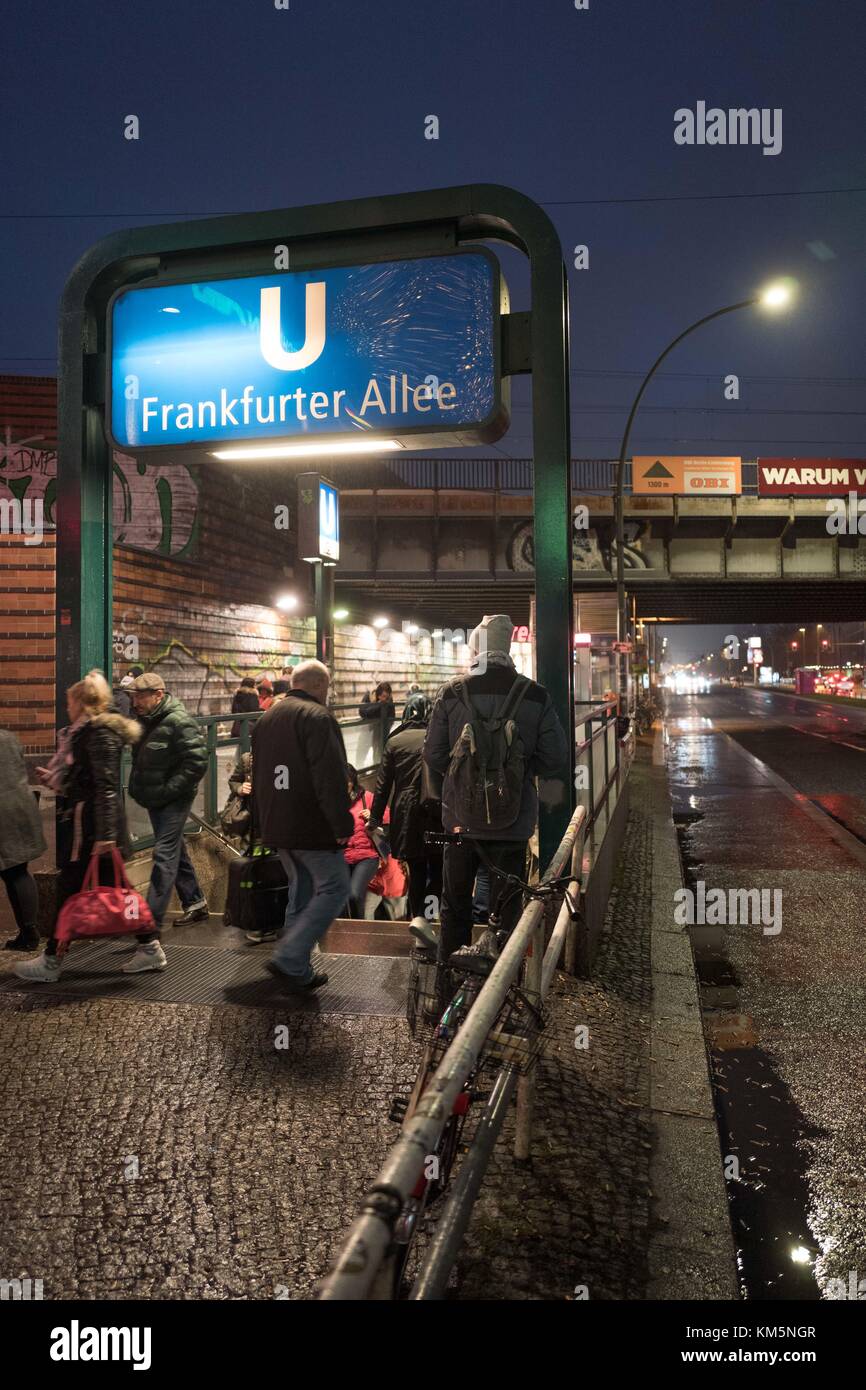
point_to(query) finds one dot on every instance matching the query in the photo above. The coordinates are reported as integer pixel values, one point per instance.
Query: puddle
(761, 1129)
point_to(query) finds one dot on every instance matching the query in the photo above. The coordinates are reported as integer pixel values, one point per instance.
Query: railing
(364, 740)
(602, 759)
(366, 1244)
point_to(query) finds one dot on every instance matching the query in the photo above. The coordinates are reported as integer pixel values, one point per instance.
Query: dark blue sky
(245, 107)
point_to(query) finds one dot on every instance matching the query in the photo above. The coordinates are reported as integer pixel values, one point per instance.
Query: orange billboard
(688, 477)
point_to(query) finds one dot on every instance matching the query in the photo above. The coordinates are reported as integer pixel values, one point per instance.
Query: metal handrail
(363, 1250)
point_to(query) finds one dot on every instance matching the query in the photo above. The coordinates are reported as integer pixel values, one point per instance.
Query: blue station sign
(404, 351)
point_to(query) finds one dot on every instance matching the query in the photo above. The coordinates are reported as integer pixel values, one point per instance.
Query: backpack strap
(459, 688)
(514, 698)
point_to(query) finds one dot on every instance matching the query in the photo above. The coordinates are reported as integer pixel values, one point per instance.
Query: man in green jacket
(168, 763)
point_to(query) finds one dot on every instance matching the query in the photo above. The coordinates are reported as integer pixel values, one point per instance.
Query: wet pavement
(753, 776)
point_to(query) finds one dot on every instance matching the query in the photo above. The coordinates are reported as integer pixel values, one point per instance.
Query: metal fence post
(526, 1084)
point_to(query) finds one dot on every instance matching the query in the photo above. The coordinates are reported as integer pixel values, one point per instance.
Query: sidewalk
(624, 1199)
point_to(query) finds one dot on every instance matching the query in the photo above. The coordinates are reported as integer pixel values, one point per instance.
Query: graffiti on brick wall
(589, 550)
(155, 506)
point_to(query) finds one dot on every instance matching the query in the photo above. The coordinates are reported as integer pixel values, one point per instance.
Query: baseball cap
(149, 681)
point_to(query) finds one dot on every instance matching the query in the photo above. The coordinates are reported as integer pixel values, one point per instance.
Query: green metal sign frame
(440, 220)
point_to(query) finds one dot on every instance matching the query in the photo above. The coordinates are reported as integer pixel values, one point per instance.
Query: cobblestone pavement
(173, 1152)
(580, 1214)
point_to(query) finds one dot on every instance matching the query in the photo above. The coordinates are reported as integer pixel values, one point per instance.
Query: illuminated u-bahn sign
(403, 353)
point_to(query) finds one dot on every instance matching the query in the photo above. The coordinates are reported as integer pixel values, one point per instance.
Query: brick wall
(198, 565)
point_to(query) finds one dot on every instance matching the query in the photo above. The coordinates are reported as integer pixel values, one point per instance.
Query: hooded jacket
(489, 680)
(400, 778)
(94, 776)
(171, 758)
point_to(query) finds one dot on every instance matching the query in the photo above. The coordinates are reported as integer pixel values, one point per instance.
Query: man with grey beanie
(491, 689)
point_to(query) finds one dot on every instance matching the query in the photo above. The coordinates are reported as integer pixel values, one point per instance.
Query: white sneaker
(151, 957)
(423, 931)
(43, 968)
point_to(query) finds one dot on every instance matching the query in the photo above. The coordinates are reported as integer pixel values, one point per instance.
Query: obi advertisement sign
(811, 477)
(689, 477)
(404, 353)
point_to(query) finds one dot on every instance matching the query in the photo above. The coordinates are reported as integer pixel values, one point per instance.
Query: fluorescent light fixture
(457, 638)
(380, 622)
(437, 632)
(410, 629)
(306, 450)
(340, 614)
(287, 603)
(168, 310)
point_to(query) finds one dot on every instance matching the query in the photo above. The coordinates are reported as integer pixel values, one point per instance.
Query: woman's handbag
(389, 880)
(103, 911)
(235, 817)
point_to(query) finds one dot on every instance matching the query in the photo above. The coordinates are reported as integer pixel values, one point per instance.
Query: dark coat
(312, 810)
(540, 730)
(168, 763)
(371, 708)
(399, 779)
(21, 837)
(94, 777)
(244, 701)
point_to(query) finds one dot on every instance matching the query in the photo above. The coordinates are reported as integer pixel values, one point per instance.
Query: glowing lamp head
(777, 296)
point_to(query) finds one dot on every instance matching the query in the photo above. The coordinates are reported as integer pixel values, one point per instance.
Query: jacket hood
(126, 729)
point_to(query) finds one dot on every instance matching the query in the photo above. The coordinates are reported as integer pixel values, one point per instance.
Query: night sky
(246, 107)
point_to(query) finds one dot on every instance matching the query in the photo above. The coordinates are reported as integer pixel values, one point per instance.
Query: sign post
(319, 545)
(115, 324)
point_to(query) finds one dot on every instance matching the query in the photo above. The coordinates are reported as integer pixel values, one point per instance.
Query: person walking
(537, 746)
(86, 772)
(266, 693)
(21, 841)
(301, 801)
(361, 854)
(414, 811)
(244, 701)
(167, 766)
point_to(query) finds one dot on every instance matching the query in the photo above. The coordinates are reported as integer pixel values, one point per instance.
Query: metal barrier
(364, 740)
(366, 1244)
(602, 758)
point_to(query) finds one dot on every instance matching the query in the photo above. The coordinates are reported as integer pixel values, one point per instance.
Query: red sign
(622, 646)
(811, 477)
(521, 634)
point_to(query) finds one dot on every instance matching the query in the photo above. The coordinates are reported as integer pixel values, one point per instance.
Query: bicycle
(513, 1041)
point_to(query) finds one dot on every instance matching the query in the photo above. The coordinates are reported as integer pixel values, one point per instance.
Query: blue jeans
(359, 881)
(171, 863)
(318, 888)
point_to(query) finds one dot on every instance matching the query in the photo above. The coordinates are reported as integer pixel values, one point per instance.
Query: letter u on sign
(270, 333)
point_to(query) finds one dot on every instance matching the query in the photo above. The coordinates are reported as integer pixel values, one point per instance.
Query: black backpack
(484, 782)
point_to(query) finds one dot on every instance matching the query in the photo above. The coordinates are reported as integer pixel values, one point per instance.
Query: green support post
(399, 225)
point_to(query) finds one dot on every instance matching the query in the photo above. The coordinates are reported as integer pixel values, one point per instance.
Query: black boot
(26, 940)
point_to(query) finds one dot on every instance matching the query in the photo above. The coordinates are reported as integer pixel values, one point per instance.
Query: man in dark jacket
(491, 675)
(301, 799)
(168, 763)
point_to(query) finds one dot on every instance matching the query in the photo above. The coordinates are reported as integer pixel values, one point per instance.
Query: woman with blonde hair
(85, 772)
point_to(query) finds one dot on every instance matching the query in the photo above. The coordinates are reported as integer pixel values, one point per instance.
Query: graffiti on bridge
(589, 550)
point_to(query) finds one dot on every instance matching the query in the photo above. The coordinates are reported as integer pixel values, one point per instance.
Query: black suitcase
(258, 891)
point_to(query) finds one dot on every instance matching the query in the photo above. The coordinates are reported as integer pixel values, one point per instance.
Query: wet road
(769, 794)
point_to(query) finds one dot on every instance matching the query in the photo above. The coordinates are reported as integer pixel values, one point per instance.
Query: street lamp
(772, 298)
